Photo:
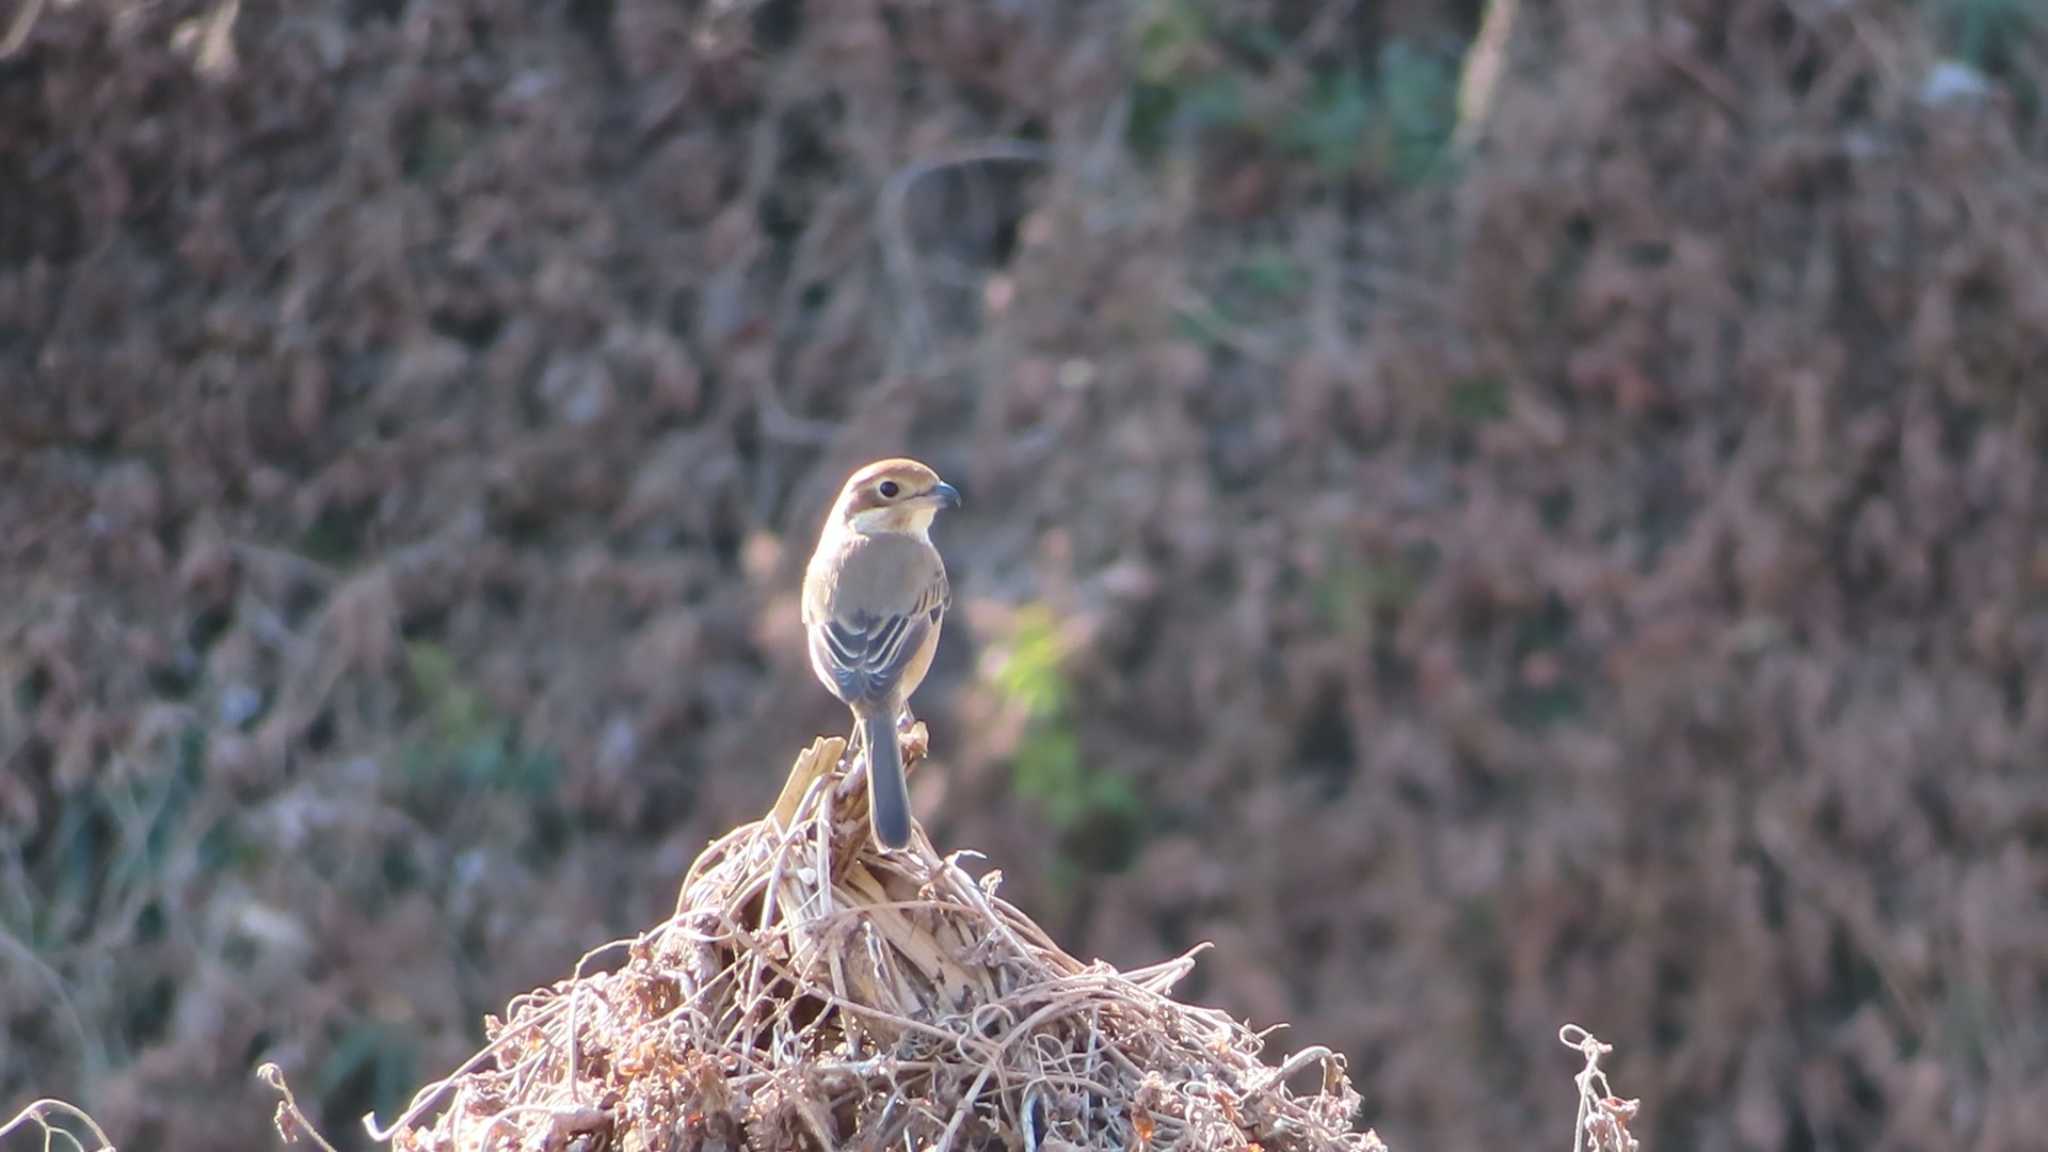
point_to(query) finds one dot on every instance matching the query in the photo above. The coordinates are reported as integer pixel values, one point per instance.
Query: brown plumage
(875, 596)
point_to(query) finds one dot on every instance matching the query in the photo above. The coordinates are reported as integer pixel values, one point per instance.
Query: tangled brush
(810, 992)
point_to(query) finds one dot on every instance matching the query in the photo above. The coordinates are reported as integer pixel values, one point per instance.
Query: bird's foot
(913, 737)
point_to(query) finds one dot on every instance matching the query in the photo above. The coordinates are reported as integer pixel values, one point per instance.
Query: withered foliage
(812, 993)
(1599, 575)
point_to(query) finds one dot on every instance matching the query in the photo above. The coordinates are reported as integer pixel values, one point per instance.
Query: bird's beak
(946, 495)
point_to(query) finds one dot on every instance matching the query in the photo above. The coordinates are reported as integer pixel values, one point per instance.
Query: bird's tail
(888, 797)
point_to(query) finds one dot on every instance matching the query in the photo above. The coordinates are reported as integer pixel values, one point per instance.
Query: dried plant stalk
(810, 992)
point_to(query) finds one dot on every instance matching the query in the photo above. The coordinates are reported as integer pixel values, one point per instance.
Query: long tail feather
(888, 797)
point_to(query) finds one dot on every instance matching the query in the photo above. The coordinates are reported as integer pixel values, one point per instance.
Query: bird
(875, 595)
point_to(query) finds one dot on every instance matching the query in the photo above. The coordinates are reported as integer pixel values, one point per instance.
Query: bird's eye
(888, 489)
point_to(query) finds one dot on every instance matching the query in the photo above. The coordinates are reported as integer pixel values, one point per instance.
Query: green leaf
(1479, 400)
(1331, 128)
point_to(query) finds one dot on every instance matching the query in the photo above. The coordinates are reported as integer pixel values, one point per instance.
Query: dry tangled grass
(59, 1124)
(809, 992)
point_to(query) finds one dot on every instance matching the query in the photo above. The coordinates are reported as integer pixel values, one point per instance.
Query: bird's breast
(872, 575)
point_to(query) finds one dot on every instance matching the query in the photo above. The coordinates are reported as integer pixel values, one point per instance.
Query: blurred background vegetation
(1492, 513)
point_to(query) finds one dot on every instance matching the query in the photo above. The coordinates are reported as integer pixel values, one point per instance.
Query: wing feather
(866, 658)
(861, 652)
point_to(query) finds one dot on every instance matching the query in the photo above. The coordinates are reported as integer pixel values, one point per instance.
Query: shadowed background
(1577, 552)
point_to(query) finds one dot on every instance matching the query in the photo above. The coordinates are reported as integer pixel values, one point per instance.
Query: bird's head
(897, 495)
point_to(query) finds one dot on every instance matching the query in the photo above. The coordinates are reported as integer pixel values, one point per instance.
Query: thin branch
(38, 1113)
(20, 27)
(898, 254)
(290, 1120)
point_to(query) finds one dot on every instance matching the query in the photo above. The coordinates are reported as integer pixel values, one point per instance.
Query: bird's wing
(865, 652)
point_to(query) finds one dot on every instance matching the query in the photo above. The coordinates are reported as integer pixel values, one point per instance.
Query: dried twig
(20, 27)
(1603, 1120)
(1483, 67)
(898, 254)
(39, 1113)
(290, 1121)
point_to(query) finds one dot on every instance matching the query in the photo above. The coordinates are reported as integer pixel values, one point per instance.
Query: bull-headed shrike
(875, 595)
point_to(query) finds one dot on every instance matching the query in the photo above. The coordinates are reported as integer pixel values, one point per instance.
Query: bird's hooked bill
(947, 495)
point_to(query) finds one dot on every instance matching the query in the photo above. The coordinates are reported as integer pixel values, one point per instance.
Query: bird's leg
(912, 738)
